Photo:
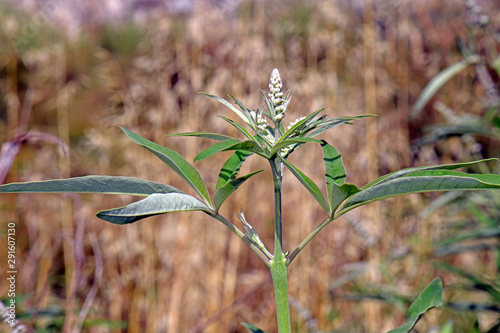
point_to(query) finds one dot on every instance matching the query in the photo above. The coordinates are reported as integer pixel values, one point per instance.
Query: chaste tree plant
(269, 139)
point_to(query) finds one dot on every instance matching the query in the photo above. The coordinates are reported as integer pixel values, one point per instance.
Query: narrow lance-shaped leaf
(231, 167)
(208, 135)
(308, 184)
(297, 125)
(404, 172)
(422, 181)
(239, 128)
(244, 109)
(225, 191)
(214, 149)
(327, 124)
(438, 82)
(430, 297)
(91, 184)
(175, 161)
(335, 176)
(230, 106)
(476, 281)
(278, 146)
(249, 146)
(155, 204)
(339, 193)
(252, 328)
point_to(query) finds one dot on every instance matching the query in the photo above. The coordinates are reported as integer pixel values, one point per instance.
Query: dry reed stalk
(373, 309)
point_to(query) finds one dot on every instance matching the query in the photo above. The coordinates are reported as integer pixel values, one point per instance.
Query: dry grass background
(185, 272)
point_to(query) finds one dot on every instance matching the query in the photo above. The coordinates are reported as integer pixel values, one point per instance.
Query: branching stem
(262, 255)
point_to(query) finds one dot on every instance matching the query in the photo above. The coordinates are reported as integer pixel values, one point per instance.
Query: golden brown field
(186, 272)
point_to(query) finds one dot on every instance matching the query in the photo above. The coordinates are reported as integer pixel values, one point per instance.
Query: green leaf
(335, 171)
(231, 167)
(339, 193)
(252, 328)
(438, 132)
(175, 161)
(308, 184)
(91, 184)
(280, 145)
(225, 191)
(479, 233)
(335, 176)
(243, 108)
(404, 172)
(437, 83)
(297, 125)
(230, 106)
(325, 125)
(430, 297)
(155, 204)
(422, 181)
(208, 135)
(239, 128)
(477, 281)
(214, 149)
(249, 146)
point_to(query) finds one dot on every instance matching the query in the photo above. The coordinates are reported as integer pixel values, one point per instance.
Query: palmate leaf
(91, 184)
(231, 167)
(308, 184)
(155, 204)
(422, 181)
(226, 190)
(175, 161)
(430, 297)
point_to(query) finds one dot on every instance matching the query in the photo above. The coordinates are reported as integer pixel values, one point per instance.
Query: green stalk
(279, 273)
(279, 265)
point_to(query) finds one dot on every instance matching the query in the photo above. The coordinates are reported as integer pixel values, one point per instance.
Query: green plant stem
(279, 273)
(279, 266)
(276, 170)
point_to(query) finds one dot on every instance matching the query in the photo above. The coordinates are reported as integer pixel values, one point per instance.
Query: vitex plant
(269, 139)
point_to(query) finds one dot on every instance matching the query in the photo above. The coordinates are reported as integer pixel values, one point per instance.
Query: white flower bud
(295, 121)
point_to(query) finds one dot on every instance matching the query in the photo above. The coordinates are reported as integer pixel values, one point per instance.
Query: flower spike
(276, 95)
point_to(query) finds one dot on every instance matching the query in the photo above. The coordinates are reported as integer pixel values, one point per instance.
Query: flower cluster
(259, 120)
(276, 95)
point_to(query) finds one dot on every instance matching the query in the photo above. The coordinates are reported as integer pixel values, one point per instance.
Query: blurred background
(72, 72)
